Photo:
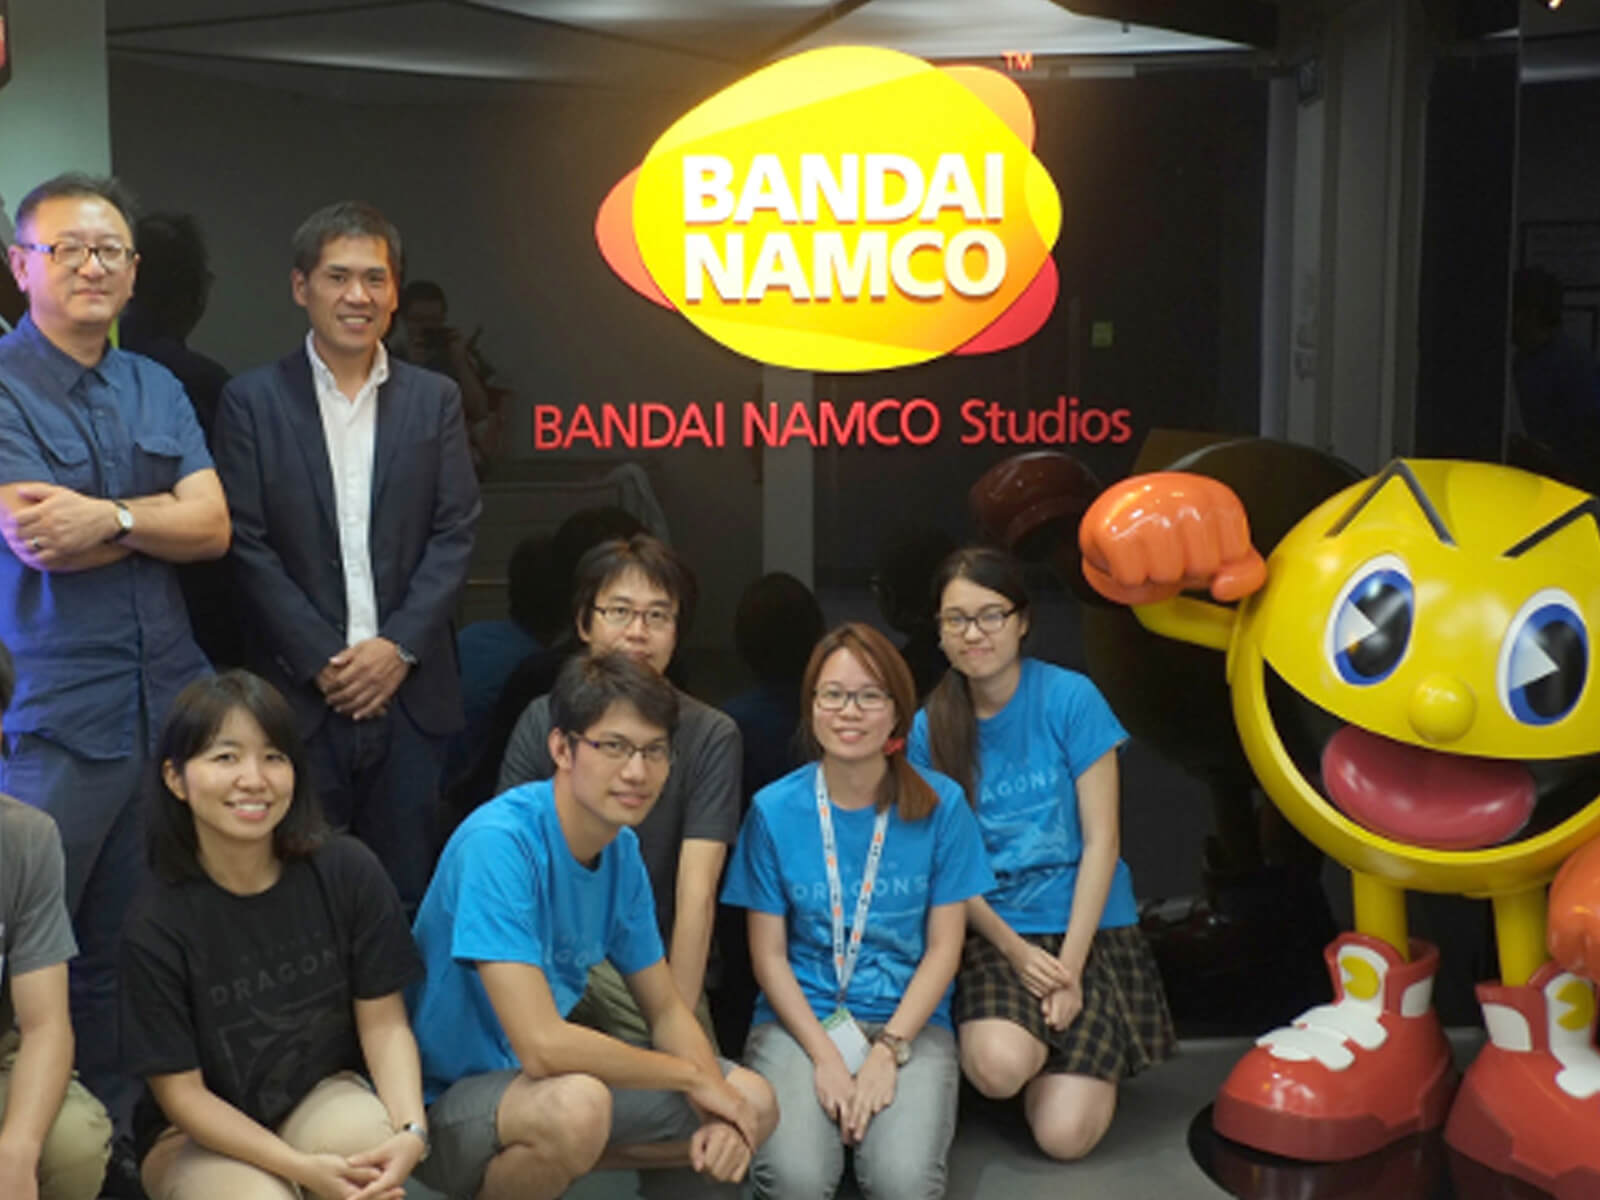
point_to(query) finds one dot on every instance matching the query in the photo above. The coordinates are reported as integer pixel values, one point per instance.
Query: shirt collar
(376, 378)
(60, 368)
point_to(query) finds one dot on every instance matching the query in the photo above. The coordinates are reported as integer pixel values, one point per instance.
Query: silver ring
(35, 543)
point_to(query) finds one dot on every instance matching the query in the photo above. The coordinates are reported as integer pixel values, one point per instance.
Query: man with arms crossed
(635, 596)
(534, 889)
(105, 482)
(54, 1136)
(354, 504)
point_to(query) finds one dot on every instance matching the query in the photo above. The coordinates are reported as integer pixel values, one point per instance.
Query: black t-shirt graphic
(257, 991)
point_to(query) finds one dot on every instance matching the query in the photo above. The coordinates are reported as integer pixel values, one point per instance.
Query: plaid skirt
(1124, 1026)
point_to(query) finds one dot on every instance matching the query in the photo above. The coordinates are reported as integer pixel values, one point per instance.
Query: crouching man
(534, 889)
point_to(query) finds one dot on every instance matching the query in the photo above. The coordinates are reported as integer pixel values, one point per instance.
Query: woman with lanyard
(1059, 997)
(856, 869)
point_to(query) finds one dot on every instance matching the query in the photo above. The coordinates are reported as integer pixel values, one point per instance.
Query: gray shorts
(464, 1131)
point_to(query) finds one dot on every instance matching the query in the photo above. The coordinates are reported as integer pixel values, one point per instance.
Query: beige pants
(341, 1115)
(72, 1162)
(608, 1005)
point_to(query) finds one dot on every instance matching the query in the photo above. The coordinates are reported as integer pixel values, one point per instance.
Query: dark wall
(1463, 293)
(1162, 184)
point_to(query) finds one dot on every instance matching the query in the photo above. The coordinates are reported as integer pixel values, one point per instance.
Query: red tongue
(1424, 798)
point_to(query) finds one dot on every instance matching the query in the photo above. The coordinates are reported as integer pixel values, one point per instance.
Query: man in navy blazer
(354, 503)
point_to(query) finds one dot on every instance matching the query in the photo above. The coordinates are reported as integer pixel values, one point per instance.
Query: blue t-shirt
(1054, 728)
(777, 868)
(509, 890)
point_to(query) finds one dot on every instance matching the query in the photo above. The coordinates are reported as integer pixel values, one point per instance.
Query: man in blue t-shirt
(533, 890)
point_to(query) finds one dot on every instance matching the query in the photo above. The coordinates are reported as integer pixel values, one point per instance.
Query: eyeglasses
(832, 698)
(655, 754)
(113, 256)
(620, 616)
(989, 620)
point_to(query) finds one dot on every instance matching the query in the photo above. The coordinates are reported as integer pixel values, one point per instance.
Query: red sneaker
(1349, 1077)
(1530, 1104)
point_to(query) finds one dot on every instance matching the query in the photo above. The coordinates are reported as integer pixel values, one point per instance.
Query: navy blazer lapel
(391, 418)
(305, 423)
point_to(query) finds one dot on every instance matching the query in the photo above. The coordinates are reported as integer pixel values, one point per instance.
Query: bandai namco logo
(848, 209)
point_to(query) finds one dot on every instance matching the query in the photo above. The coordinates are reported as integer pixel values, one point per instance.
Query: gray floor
(1145, 1154)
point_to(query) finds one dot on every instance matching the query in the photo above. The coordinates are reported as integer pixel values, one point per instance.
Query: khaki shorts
(72, 1162)
(341, 1115)
(608, 1005)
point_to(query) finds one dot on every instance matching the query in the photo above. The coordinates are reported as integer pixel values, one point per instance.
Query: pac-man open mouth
(1418, 796)
(1422, 797)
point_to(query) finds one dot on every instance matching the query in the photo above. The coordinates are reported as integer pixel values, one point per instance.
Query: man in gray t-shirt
(38, 1106)
(636, 596)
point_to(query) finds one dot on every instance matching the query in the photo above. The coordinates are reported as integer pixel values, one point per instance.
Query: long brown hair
(952, 722)
(902, 786)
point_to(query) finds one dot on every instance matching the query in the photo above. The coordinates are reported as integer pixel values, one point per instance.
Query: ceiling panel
(427, 38)
(147, 14)
(735, 29)
(941, 30)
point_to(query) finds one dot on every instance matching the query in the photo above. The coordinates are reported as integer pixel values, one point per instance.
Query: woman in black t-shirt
(262, 971)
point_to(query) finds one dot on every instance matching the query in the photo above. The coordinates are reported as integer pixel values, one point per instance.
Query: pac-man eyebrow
(1588, 508)
(1396, 470)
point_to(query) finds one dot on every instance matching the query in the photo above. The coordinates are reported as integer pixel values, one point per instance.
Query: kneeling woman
(856, 869)
(261, 974)
(1058, 997)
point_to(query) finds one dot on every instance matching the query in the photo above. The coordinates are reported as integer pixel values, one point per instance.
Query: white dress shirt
(350, 428)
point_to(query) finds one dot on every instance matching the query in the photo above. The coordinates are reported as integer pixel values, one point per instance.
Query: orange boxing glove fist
(1574, 938)
(1152, 536)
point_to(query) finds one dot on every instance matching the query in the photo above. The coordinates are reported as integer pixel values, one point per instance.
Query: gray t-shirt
(699, 800)
(35, 930)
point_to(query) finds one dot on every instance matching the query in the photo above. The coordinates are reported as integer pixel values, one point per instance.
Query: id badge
(847, 1036)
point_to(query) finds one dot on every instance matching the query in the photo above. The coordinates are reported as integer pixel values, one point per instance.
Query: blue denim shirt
(92, 646)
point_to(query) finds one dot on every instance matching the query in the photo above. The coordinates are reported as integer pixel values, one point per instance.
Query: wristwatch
(898, 1046)
(419, 1131)
(124, 521)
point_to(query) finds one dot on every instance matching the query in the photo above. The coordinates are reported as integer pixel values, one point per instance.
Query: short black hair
(196, 718)
(775, 626)
(422, 289)
(652, 558)
(348, 218)
(589, 684)
(8, 678)
(79, 183)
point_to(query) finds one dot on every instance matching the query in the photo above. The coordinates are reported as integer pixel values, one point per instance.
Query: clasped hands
(1057, 986)
(360, 680)
(851, 1101)
(722, 1147)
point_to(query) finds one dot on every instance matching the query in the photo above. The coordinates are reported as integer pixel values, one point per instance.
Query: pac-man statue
(1411, 679)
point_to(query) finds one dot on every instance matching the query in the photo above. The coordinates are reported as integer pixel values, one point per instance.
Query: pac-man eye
(1544, 659)
(1370, 626)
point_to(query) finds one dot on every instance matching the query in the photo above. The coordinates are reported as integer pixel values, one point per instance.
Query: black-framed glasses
(113, 256)
(620, 749)
(989, 620)
(620, 616)
(830, 697)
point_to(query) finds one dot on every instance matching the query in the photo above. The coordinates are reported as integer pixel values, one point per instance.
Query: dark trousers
(99, 808)
(379, 779)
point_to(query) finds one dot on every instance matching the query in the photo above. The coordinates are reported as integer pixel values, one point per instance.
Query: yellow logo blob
(847, 209)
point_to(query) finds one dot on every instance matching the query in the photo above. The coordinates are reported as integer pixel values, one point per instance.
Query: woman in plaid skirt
(1058, 996)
